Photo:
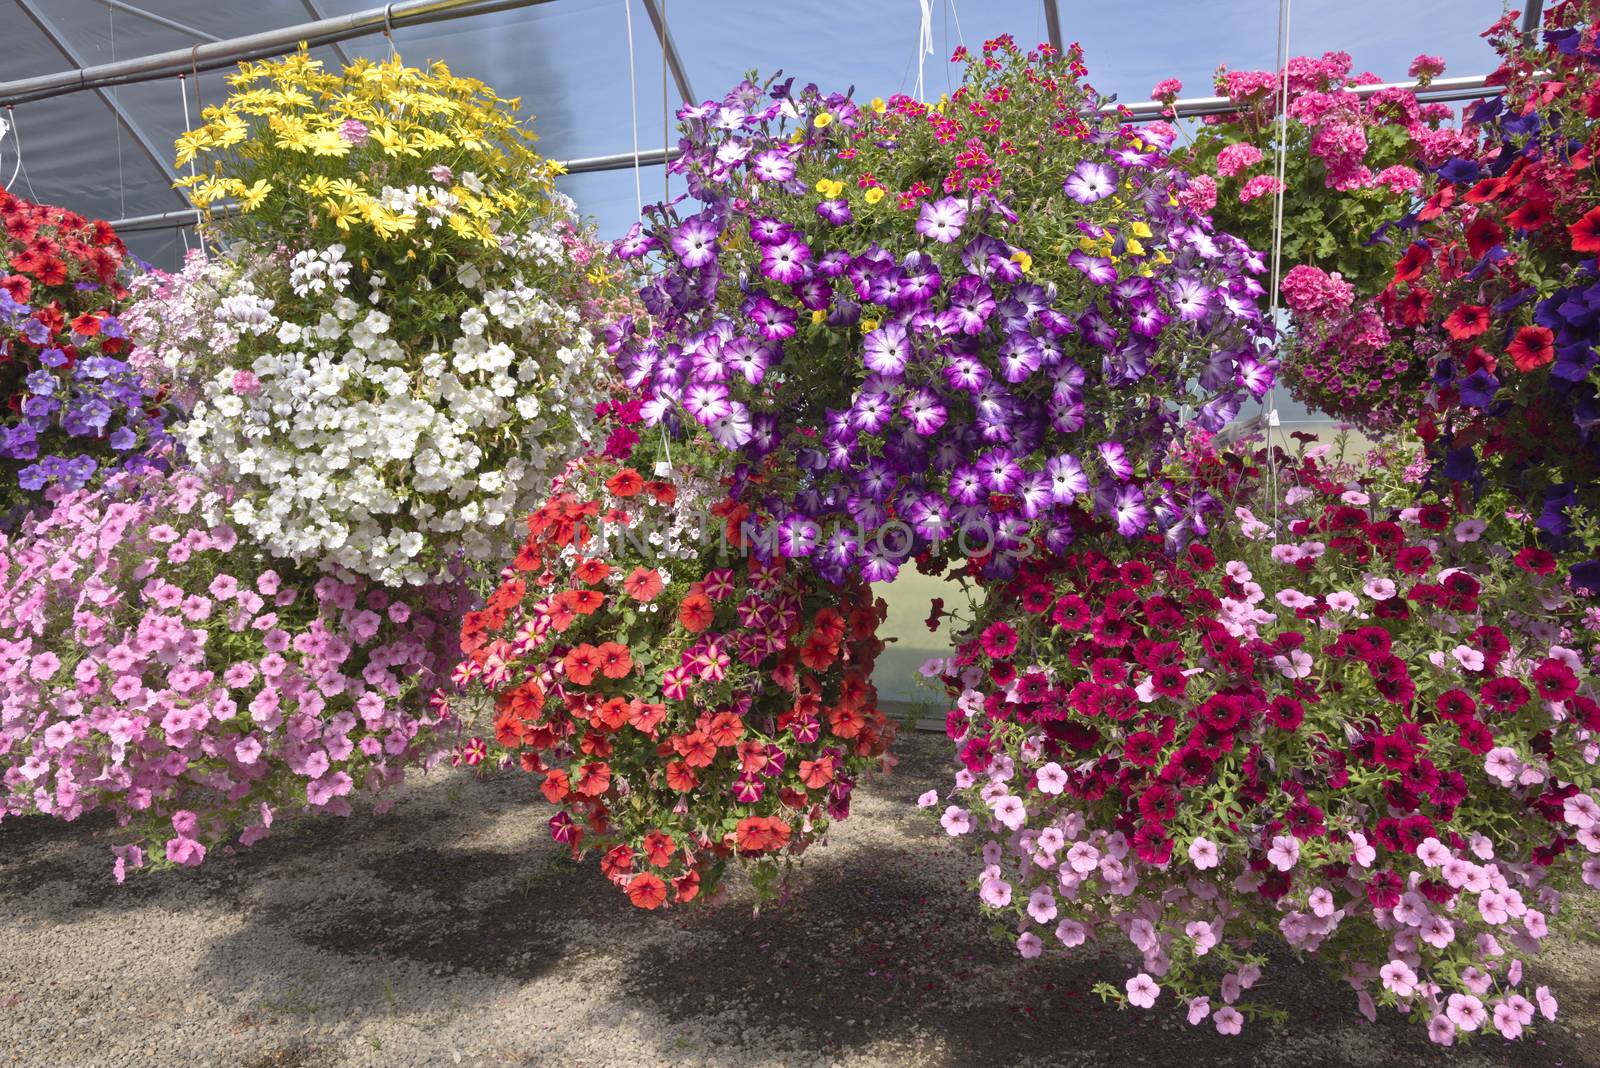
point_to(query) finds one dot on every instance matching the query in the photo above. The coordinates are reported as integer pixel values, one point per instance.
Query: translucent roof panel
(569, 61)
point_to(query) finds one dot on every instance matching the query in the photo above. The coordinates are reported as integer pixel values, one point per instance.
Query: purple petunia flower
(1255, 376)
(748, 357)
(999, 471)
(798, 536)
(966, 485)
(871, 412)
(773, 165)
(786, 261)
(734, 429)
(1146, 319)
(925, 411)
(1020, 357)
(634, 243)
(695, 242)
(1067, 480)
(707, 402)
(1034, 494)
(1125, 506)
(1090, 182)
(1098, 268)
(836, 212)
(1190, 298)
(886, 350)
(971, 304)
(770, 231)
(1115, 459)
(773, 320)
(942, 220)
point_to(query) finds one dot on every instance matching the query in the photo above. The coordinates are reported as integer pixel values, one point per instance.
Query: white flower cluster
(393, 456)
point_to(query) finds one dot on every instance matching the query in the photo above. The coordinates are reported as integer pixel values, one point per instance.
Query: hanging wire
(666, 172)
(1284, 10)
(633, 105)
(666, 195)
(388, 30)
(183, 94)
(122, 184)
(924, 43)
(11, 125)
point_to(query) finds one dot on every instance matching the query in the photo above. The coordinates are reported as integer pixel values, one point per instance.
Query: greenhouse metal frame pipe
(658, 20)
(1436, 91)
(1439, 90)
(120, 114)
(219, 54)
(159, 20)
(315, 12)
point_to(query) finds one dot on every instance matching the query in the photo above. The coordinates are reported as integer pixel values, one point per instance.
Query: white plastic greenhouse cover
(569, 62)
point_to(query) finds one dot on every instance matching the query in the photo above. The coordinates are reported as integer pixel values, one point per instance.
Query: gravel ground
(453, 931)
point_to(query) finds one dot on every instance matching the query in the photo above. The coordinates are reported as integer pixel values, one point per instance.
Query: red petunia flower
(625, 483)
(616, 661)
(697, 750)
(1531, 215)
(695, 613)
(594, 779)
(643, 584)
(1536, 561)
(1585, 232)
(1413, 263)
(658, 847)
(681, 777)
(816, 773)
(1532, 348)
(592, 571)
(582, 663)
(1484, 234)
(1467, 321)
(647, 891)
(556, 786)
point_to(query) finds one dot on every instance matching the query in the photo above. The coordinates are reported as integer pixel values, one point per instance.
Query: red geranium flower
(1532, 348)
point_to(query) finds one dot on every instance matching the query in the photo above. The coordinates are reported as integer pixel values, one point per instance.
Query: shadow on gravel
(871, 951)
(879, 944)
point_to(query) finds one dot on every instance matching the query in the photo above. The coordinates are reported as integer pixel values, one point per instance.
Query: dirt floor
(453, 931)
